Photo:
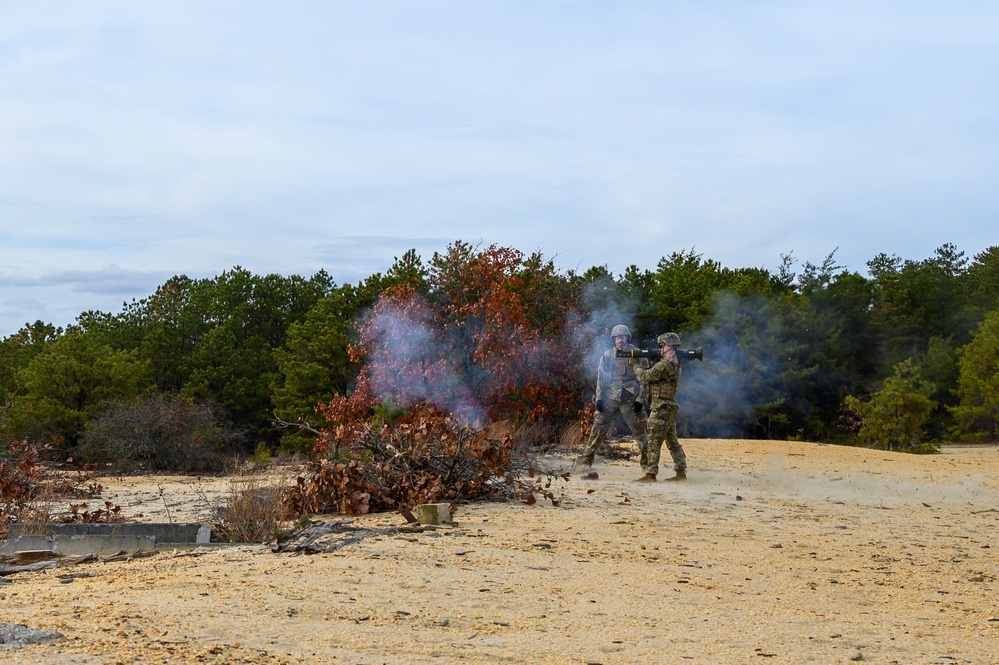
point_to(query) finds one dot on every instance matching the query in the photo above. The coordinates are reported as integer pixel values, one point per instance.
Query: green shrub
(895, 416)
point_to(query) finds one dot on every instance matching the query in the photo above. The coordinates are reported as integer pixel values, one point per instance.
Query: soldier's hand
(600, 406)
(637, 406)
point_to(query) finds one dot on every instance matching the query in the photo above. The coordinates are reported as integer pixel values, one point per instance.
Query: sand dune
(772, 552)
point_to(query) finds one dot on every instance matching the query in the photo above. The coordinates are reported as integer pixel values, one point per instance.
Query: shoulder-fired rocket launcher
(656, 354)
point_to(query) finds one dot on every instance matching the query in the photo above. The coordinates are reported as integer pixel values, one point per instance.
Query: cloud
(59, 297)
(111, 280)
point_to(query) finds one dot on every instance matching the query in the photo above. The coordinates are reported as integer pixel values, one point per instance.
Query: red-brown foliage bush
(490, 340)
(20, 473)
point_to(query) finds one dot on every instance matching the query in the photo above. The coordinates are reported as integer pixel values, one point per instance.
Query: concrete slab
(164, 533)
(78, 545)
(25, 544)
(107, 538)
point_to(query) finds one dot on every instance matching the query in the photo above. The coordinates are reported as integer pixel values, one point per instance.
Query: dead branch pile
(376, 465)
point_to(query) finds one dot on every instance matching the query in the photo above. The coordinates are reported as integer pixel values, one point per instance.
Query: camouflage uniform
(663, 380)
(618, 389)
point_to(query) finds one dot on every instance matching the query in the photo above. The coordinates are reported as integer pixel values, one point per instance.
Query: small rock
(16, 634)
(857, 656)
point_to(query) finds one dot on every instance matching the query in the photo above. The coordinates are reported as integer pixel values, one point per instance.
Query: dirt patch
(773, 552)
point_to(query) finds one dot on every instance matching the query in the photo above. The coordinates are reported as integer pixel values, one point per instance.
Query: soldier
(618, 391)
(663, 379)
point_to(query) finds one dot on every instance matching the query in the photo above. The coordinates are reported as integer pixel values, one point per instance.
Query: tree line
(904, 356)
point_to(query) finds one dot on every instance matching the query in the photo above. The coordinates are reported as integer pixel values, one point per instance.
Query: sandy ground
(772, 552)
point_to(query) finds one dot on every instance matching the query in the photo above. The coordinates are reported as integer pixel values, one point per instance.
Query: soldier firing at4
(663, 381)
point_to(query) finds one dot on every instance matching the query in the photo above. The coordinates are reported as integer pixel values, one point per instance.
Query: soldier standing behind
(618, 391)
(663, 380)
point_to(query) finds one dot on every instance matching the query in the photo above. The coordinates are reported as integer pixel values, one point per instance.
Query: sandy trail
(772, 552)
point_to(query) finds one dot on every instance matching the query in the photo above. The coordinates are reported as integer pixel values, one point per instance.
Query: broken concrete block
(433, 513)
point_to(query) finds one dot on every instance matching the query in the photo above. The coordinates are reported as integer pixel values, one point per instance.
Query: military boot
(584, 469)
(647, 478)
(681, 474)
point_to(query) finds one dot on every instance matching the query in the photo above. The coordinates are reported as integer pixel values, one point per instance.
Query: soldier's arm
(665, 367)
(647, 375)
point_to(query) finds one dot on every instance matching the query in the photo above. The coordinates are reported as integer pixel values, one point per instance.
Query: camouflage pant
(602, 422)
(662, 427)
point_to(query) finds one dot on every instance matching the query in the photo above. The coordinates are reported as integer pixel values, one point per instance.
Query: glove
(600, 406)
(637, 406)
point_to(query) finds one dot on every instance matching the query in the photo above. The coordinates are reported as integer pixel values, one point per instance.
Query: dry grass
(572, 437)
(35, 516)
(251, 510)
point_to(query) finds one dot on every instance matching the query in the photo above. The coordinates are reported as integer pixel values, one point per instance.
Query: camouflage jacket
(615, 377)
(663, 379)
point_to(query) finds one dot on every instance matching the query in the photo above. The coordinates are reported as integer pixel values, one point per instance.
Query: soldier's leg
(635, 421)
(639, 429)
(672, 441)
(590, 450)
(653, 445)
(598, 434)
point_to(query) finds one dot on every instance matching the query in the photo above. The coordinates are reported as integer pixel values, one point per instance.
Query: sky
(143, 140)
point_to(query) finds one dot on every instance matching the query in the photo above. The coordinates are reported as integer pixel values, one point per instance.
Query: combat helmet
(669, 339)
(620, 329)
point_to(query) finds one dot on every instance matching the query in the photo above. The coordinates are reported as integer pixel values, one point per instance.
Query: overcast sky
(140, 140)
